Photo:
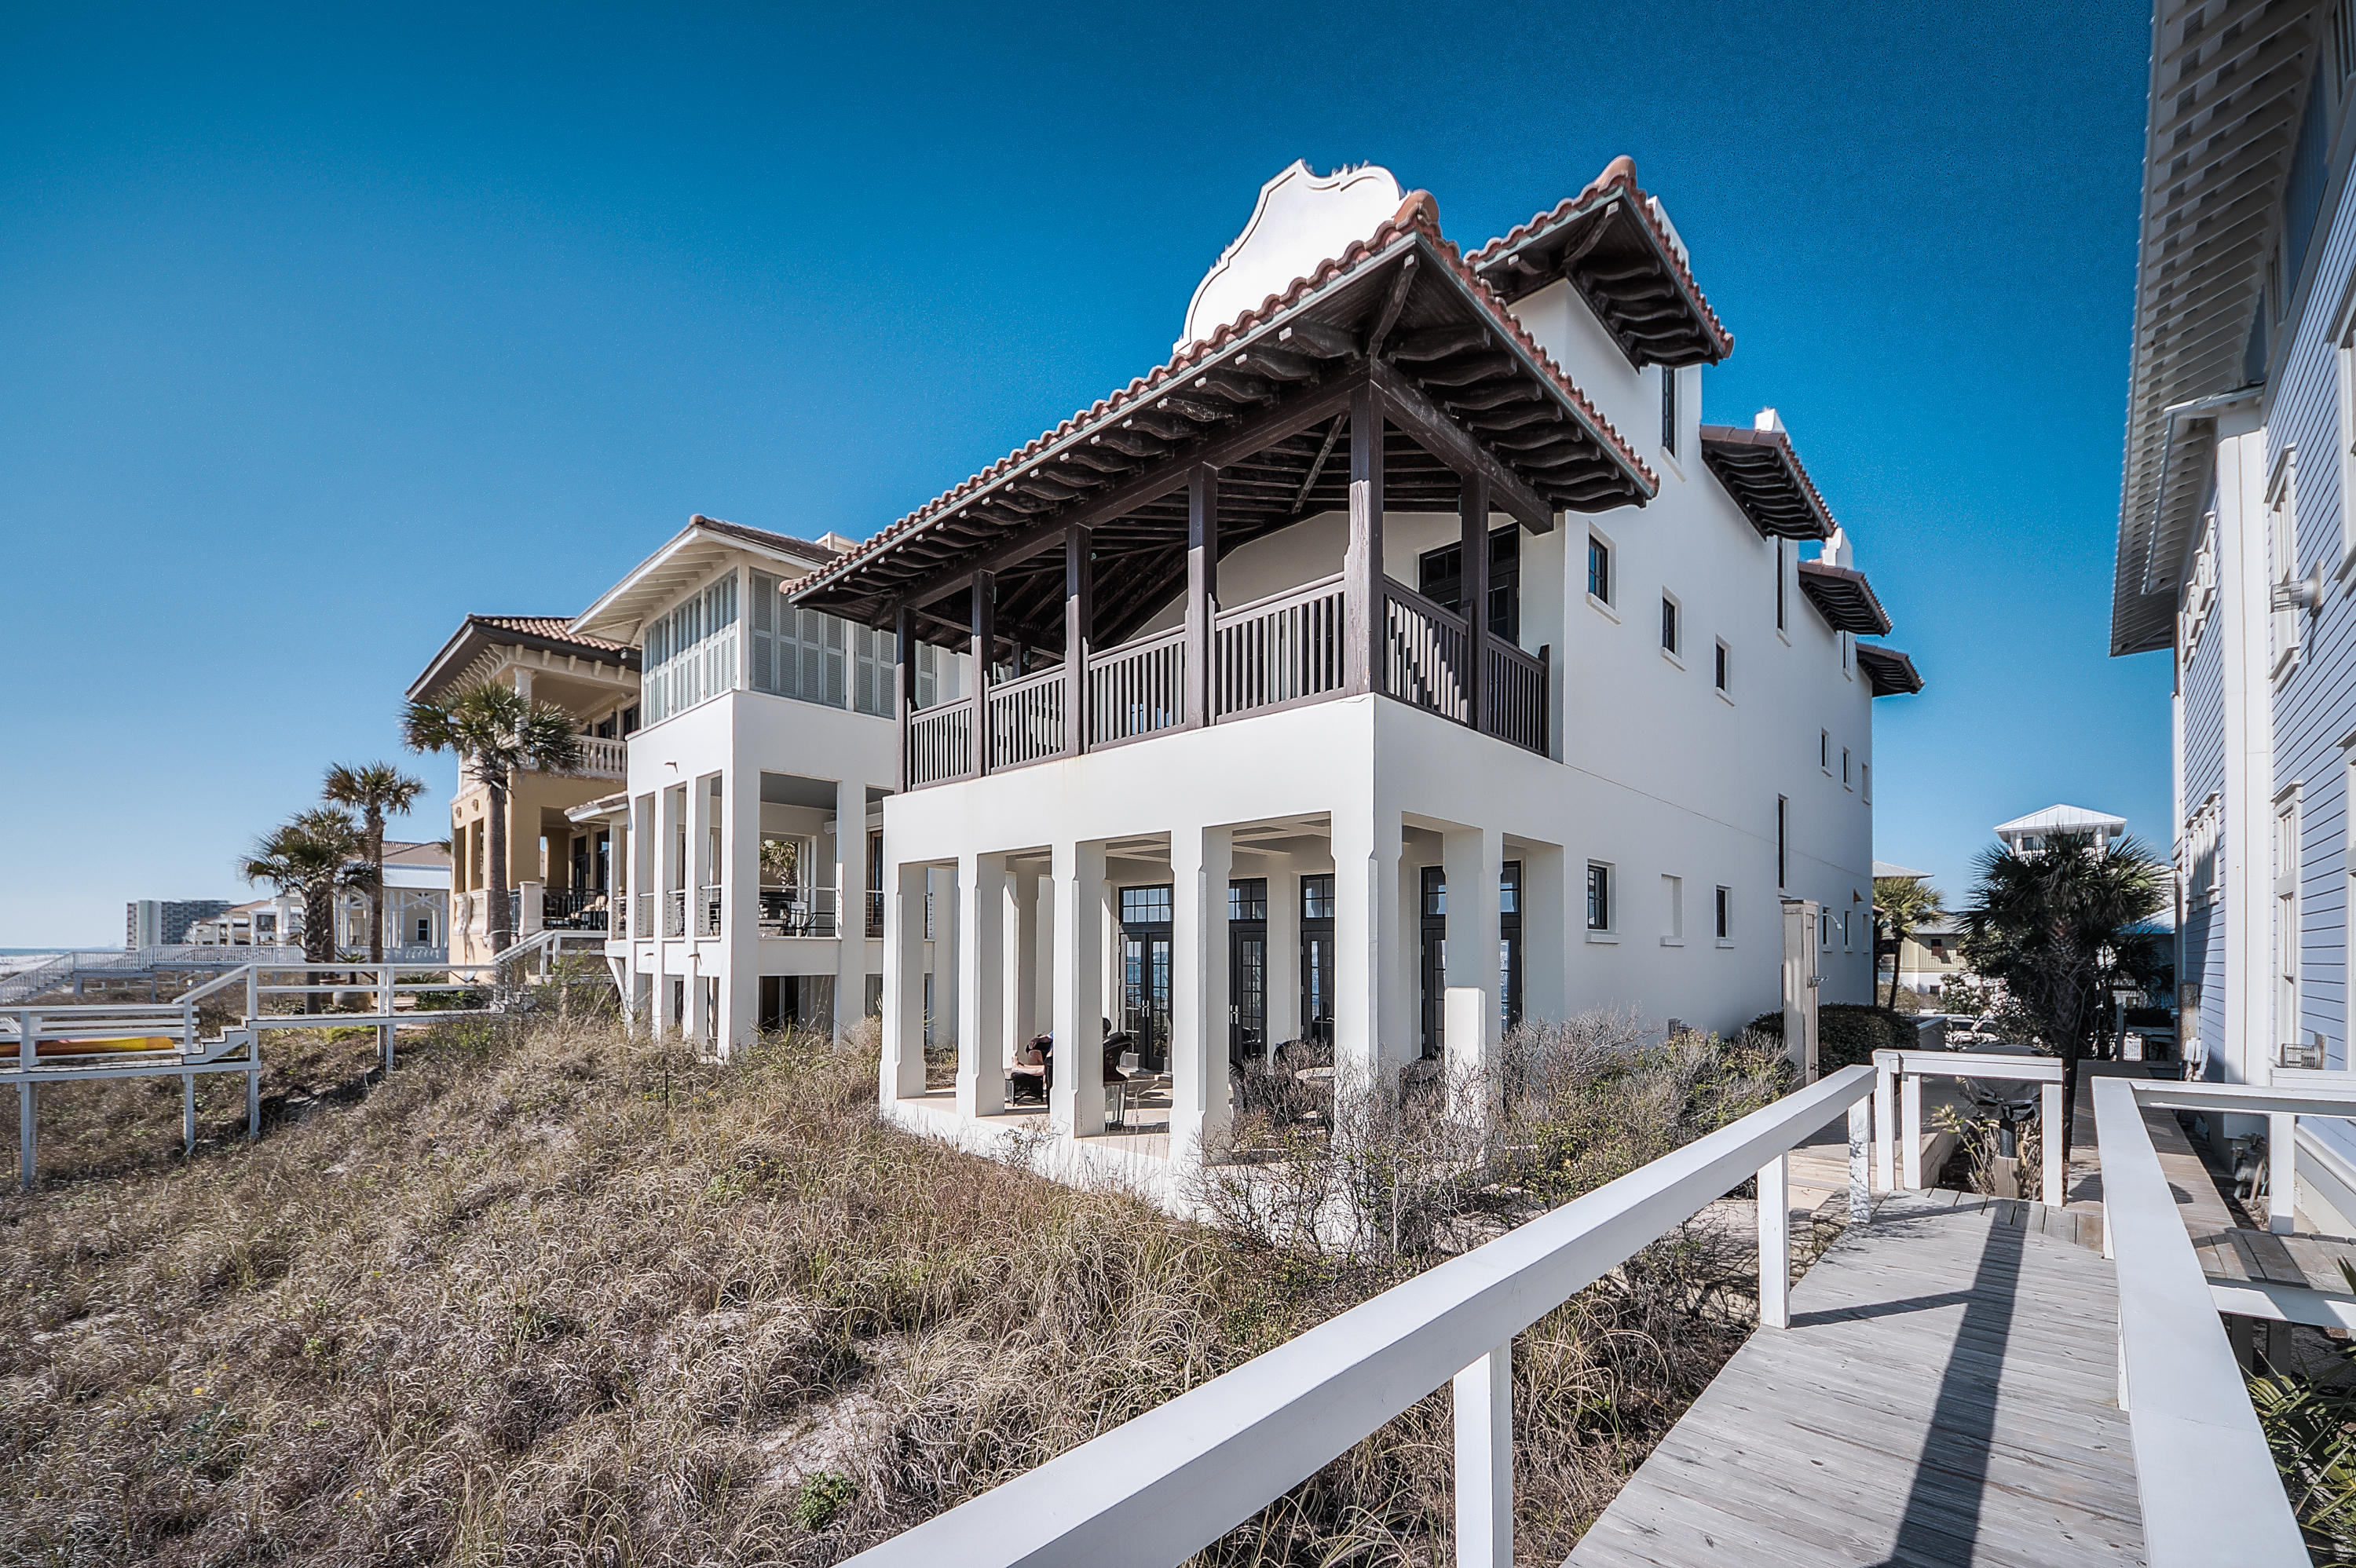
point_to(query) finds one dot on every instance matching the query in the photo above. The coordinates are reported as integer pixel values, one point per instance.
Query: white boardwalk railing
(1898, 1077)
(1164, 1486)
(2208, 1484)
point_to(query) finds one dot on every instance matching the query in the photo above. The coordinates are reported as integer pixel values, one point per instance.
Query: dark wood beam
(1320, 338)
(1444, 439)
(1079, 633)
(1202, 587)
(1473, 596)
(985, 654)
(1391, 306)
(1440, 342)
(1361, 562)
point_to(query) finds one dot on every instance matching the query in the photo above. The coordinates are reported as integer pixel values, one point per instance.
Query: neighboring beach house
(2238, 535)
(747, 828)
(1242, 764)
(561, 874)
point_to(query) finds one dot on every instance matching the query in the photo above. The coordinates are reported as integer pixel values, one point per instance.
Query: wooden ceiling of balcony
(1266, 403)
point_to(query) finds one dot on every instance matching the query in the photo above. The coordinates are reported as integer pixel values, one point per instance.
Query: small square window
(1723, 657)
(1670, 642)
(1599, 568)
(1599, 896)
(1725, 914)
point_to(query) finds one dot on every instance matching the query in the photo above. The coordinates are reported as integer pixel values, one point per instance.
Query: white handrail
(1158, 1488)
(1900, 1075)
(2209, 1488)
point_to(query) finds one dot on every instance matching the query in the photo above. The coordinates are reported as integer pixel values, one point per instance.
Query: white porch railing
(1164, 1486)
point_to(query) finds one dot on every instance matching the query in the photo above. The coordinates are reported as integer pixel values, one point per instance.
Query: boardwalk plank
(1944, 1396)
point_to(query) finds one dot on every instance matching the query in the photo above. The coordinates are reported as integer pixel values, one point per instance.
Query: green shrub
(1847, 1033)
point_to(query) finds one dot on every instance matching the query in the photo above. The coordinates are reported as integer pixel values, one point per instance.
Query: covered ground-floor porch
(1357, 891)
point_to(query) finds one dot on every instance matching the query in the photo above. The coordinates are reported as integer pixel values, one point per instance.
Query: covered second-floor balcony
(1210, 545)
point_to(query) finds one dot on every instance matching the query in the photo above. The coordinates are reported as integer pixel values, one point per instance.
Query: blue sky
(318, 331)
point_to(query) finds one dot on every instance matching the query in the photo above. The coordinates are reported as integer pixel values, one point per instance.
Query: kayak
(46, 1049)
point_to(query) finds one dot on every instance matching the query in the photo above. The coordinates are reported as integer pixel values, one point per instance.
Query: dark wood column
(1474, 597)
(1079, 633)
(985, 650)
(1362, 564)
(1202, 587)
(904, 645)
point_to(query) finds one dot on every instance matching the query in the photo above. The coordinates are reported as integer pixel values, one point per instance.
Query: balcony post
(904, 648)
(1472, 597)
(985, 651)
(1201, 588)
(1079, 633)
(1362, 564)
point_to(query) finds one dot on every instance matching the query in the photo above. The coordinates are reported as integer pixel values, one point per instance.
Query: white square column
(1546, 929)
(1200, 861)
(1077, 1106)
(1366, 950)
(1023, 1012)
(850, 906)
(1283, 952)
(1474, 860)
(982, 982)
(738, 977)
(903, 1067)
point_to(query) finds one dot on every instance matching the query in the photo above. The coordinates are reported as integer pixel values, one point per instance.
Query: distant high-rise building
(163, 922)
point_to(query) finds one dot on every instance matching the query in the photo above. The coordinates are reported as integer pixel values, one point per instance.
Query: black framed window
(1724, 912)
(1599, 568)
(1439, 577)
(1669, 410)
(1599, 896)
(1722, 660)
(1670, 639)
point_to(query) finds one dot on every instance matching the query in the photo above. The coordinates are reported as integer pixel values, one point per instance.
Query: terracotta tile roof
(1843, 596)
(1417, 217)
(555, 628)
(1619, 178)
(1762, 471)
(1887, 672)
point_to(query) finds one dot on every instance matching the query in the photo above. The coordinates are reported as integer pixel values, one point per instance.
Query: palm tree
(2049, 925)
(1901, 906)
(313, 854)
(494, 730)
(375, 790)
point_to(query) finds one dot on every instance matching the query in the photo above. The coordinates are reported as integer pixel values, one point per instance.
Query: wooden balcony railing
(1425, 652)
(941, 744)
(1513, 691)
(1136, 689)
(1026, 719)
(1279, 651)
(1289, 649)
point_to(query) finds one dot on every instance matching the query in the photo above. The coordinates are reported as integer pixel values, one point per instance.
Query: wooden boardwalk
(1946, 1395)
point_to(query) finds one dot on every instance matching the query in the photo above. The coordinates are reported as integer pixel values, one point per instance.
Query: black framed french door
(1433, 966)
(1247, 968)
(1145, 973)
(1317, 959)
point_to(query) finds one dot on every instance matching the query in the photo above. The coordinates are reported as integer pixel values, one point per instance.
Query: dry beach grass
(554, 1297)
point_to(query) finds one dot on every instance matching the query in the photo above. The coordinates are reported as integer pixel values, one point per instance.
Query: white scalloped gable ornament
(1302, 220)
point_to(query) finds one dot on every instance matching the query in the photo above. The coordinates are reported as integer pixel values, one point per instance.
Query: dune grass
(549, 1296)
